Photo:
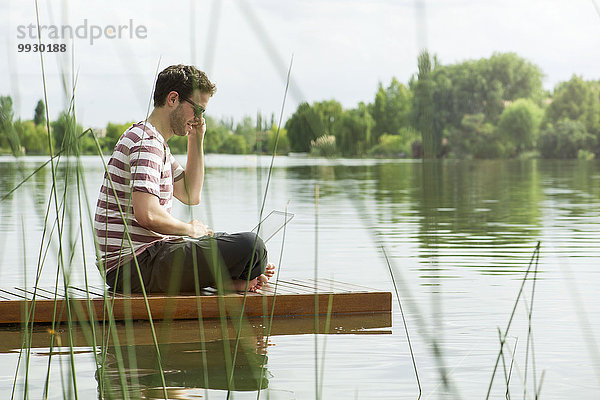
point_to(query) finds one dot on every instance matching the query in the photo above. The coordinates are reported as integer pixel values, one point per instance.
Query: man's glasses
(198, 110)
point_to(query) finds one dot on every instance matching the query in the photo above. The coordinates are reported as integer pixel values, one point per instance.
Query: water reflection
(186, 366)
(195, 357)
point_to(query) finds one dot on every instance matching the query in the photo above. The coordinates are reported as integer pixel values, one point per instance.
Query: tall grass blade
(137, 266)
(237, 339)
(596, 6)
(512, 362)
(512, 315)
(412, 354)
(504, 364)
(272, 312)
(316, 274)
(401, 285)
(530, 334)
(54, 191)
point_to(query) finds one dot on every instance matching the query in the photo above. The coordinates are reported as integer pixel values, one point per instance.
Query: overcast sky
(341, 49)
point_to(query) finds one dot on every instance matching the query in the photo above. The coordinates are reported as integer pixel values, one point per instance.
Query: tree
(353, 131)
(66, 134)
(399, 145)
(391, 109)
(39, 117)
(476, 138)
(283, 143)
(517, 77)
(423, 108)
(113, 133)
(247, 129)
(519, 125)
(303, 126)
(565, 139)
(216, 132)
(576, 100)
(234, 144)
(329, 111)
(33, 137)
(476, 87)
(8, 137)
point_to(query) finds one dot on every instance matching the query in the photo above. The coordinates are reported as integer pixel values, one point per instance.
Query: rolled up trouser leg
(224, 256)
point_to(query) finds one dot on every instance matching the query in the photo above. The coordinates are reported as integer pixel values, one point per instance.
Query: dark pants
(169, 267)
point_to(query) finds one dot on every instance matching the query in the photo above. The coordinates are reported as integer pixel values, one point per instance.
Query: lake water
(459, 236)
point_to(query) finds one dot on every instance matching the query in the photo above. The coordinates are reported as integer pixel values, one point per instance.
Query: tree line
(488, 108)
(19, 137)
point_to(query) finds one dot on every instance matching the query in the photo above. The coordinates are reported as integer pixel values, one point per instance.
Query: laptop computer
(272, 224)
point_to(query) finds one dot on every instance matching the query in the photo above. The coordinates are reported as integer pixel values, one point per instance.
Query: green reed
(262, 207)
(59, 226)
(533, 261)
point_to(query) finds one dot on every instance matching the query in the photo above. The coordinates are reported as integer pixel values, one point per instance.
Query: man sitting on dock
(133, 223)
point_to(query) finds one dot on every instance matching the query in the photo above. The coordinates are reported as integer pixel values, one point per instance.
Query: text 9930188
(41, 47)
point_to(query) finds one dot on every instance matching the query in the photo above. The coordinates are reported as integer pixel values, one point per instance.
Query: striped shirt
(141, 161)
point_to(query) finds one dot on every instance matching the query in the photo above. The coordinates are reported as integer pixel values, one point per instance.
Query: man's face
(183, 118)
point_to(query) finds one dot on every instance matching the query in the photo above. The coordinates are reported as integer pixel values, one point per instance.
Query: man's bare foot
(240, 284)
(269, 271)
(264, 278)
(257, 283)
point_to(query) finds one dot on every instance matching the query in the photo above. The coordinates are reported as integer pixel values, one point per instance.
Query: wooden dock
(291, 298)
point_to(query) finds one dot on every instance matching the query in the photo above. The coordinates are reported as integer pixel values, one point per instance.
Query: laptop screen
(271, 224)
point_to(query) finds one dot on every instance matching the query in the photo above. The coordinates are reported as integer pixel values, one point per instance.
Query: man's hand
(199, 128)
(198, 229)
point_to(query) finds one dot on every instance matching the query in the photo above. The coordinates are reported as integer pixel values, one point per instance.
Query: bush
(33, 137)
(565, 140)
(476, 138)
(519, 125)
(234, 144)
(283, 144)
(399, 145)
(113, 133)
(585, 155)
(323, 146)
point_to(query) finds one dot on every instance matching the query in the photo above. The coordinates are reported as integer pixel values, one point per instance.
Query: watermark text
(90, 32)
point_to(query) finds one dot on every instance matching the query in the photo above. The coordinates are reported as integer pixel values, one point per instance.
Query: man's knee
(253, 243)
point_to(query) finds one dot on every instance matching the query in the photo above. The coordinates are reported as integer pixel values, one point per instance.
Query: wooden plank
(291, 298)
(186, 307)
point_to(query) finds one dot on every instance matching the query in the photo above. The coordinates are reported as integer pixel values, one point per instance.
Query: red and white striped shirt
(141, 161)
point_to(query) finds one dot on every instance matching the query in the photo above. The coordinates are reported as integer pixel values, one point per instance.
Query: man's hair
(183, 79)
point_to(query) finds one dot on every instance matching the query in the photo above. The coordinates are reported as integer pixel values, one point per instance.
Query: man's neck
(161, 123)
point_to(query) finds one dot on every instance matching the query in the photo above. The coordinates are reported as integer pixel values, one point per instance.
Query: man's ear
(172, 98)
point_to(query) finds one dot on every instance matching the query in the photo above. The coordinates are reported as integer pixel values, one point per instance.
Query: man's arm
(149, 213)
(189, 189)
